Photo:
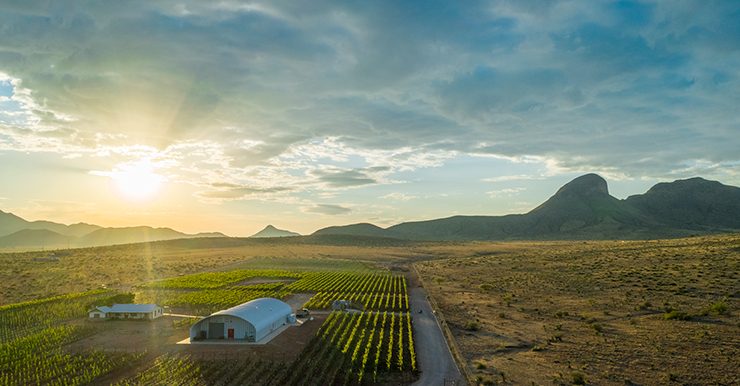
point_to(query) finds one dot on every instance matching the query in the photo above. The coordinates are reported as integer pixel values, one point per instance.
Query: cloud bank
(268, 100)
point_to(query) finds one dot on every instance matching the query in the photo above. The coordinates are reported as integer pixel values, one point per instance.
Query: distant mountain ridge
(361, 229)
(10, 223)
(582, 209)
(29, 238)
(15, 232)
(271, 231)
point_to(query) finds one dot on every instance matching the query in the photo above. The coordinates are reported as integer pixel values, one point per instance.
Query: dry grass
(601, 312)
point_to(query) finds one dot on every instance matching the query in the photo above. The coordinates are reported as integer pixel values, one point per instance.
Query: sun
(137, 181)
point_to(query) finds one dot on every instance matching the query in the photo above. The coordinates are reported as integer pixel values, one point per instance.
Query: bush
(578, 378)
(472, 326)
(676, 315)
(644, 306)
(716, 308)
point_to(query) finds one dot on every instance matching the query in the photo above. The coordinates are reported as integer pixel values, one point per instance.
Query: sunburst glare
(137, 181)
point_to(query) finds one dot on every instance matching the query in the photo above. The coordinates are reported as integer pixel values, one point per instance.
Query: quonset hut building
(251, 321)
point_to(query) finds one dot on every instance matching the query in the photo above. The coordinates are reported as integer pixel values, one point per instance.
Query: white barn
(127, 311)
(251, 321)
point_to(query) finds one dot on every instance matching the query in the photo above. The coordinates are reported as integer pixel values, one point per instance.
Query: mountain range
(584, 209)
(15, 232)
(581, 209)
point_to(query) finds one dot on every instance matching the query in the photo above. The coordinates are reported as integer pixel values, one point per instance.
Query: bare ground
(596, 311)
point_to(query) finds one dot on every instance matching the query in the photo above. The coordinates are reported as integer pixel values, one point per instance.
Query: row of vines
(357, 349)
(21, 319)
(184, 370)
(369, 302)
(350, 282)
(211, 280)
(376, 292)
(204, 302)
(38, 359)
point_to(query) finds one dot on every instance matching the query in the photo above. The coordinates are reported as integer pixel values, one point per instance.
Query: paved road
(432, 353)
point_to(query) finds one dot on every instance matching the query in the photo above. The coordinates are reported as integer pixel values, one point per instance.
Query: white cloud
(518, 177)
(397, 196)
(327, 209)
(507, 192)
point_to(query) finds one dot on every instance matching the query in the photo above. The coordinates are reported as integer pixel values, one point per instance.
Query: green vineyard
(357, 348)
(40, 360)
(184, 370)
(211, 291)
(20, 319)
(209, 280)
(349, 349)
(373, 344)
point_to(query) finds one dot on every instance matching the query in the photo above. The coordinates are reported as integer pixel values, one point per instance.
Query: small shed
(127, 311)
(341, 305)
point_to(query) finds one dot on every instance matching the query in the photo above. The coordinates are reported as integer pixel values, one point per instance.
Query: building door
(215, 330)
(231, 333)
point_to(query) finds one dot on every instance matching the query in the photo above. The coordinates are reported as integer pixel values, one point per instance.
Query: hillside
(584, 209)
(10, 223)
(271, 231)
(110, 236)
(694, 203)
(16, 232)
(36, 237)
(361, 229)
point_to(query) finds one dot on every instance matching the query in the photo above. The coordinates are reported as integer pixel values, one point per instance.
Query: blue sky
(231, 115)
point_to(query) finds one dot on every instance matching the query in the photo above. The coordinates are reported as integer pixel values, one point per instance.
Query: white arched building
(251, 321)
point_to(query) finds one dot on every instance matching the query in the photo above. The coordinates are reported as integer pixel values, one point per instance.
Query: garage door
(215, 330)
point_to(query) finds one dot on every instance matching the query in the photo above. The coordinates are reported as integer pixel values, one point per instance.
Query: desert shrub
(716, 308)
(472, 326)
(578, 378)
(676, 315)
(644, 306)
(597, 327)
(485, 287)
(484, 381)
(480, 366)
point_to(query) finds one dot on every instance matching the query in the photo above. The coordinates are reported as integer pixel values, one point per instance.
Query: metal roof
(259, 312)
(129, 308)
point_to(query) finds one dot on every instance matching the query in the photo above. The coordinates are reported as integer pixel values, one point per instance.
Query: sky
(231, 115)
